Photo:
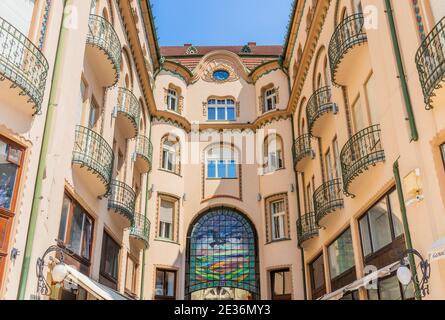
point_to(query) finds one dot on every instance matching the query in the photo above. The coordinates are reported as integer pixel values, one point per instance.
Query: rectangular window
(370, 94)
(390, 288)
(172, 100)
(221, 110)
(169, 156)
(221, 169)
(165, 285)
(270, 100)
(328, 160)
(358, 116)
(336, 157)
(83, 88)
(309, 203)
(76, 228)
(380, 225)
(131, 275)
(341, 254)
(10, 163)
(281, 284)
(166, 217)
(278, 210)
(94, 114)
(318, 285)
(109, 262)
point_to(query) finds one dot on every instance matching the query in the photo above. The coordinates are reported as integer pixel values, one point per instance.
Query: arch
(170, 157)
(301, 116)
(222, 252)
(341, 12)
(126, 58)
(142, 125)
(321, 52)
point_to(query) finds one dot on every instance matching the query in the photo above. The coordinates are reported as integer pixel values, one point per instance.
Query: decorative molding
(215, 65)
(44, 26)
(192, 50)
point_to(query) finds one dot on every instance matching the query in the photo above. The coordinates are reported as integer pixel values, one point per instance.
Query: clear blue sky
(221, 22)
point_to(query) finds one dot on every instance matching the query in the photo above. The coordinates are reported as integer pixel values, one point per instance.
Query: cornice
(292, 32)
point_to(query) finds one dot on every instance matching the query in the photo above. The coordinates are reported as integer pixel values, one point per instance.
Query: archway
(222, 257)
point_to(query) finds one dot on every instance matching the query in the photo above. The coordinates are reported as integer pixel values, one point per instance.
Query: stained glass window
(222, 253)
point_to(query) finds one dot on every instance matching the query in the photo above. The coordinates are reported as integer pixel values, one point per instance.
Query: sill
(278, 240)
(221, 121)
(168, 171)
(269, 111)
(273, 171)
(166, 240)
(213, 179)
(173, 111)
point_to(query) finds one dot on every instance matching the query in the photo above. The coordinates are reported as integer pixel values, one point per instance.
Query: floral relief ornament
(219, 67)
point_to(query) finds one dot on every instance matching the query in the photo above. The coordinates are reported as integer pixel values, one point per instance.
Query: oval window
(221, 75)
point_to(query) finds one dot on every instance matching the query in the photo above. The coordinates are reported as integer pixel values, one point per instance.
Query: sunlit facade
(302, 171)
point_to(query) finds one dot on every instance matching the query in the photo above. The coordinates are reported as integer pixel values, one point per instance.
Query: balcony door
(18, 13)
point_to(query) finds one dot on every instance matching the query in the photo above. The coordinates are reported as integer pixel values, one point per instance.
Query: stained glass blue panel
(211, 114)
(211, 169)
(221, 75)
(231, 114)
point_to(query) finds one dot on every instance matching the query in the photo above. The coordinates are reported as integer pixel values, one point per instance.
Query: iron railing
(128, 105)
(102, 35)
(430, 61)
(361, 151)
(306, 227)
(302, 147)
(122, 199)
(327, 198)
(319, 103)
(22, 63)
(144, 148)
(349, 33)
(140, 228)
(92, 151)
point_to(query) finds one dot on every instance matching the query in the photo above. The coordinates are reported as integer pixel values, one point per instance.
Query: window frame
(283, 296)
(132, 291)
(281, 217)
(175, 218)
(317, 292)
(172, 95)
(344, 272)
(278, 152)
(268, 203)
(227, 162)
(173, 150)
(165, 283)
(103, 256)
(68, 226)
(226, 106)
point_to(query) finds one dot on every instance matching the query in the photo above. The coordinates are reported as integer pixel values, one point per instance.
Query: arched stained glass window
(222, 254)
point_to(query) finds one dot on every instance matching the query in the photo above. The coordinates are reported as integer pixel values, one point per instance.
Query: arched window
(170, 154)
(172, 99)
(273, 153)
(221, 163)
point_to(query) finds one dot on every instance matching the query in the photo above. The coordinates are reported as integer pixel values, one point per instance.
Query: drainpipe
(47, 131)
(141, 293)
(297, 190)
(401, 71)
(408, 241)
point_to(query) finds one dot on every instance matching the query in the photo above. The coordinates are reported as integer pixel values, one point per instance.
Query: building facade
(220, 172)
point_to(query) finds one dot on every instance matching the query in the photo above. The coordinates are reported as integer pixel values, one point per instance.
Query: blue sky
(221, 22)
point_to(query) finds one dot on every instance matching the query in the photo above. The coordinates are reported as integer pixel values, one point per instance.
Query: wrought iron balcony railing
(302, 147)
(349, 33)
(306, 228)
(364, 149)
(430, 61)
(144, 148)
(22, 63)
(93, 152)
(122, 199)
(319, 103)
(128, 105)
(327, 198)
(140, 228)
(102, 35)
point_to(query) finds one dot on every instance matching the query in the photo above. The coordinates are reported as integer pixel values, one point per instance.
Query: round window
(221, 75)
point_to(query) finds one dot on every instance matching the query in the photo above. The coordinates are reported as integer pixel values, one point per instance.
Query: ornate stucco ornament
(217, 67)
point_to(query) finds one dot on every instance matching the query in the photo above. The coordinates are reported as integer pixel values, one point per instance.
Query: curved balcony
(93, 160)
(319, 104)
(302, 151)
(144, 153)
(140, 229)
(430, 61)
(363, 150)
(327, 198)
(128, 113)
(345, 47)
(122, 199)
(103, 51)
(23, 70)
(306, 228)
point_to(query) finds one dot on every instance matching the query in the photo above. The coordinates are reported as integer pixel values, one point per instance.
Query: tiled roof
(257, 55)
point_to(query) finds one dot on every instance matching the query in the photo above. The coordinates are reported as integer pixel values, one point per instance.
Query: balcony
(140, 229)
(92, 160)
(144, 154)
(306, 228)
(430, 61)
(128, 113)
(319, 104)
(23, 71)
(103, 51)
(362, 151)
(122, 200)
(327, 198)
(302, 151)
(346, 49)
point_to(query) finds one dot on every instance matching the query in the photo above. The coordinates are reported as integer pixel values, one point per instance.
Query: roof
(251, 54)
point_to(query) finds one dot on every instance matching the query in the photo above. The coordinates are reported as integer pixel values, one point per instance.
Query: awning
(362, 282)
(98, 290)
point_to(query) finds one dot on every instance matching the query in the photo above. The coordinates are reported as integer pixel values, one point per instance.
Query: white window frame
(270, 95)
(278, 219)
(172, 100)
(276, 154)
(221, 103)
(169, 153)
(166, 229)
(221, 156)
